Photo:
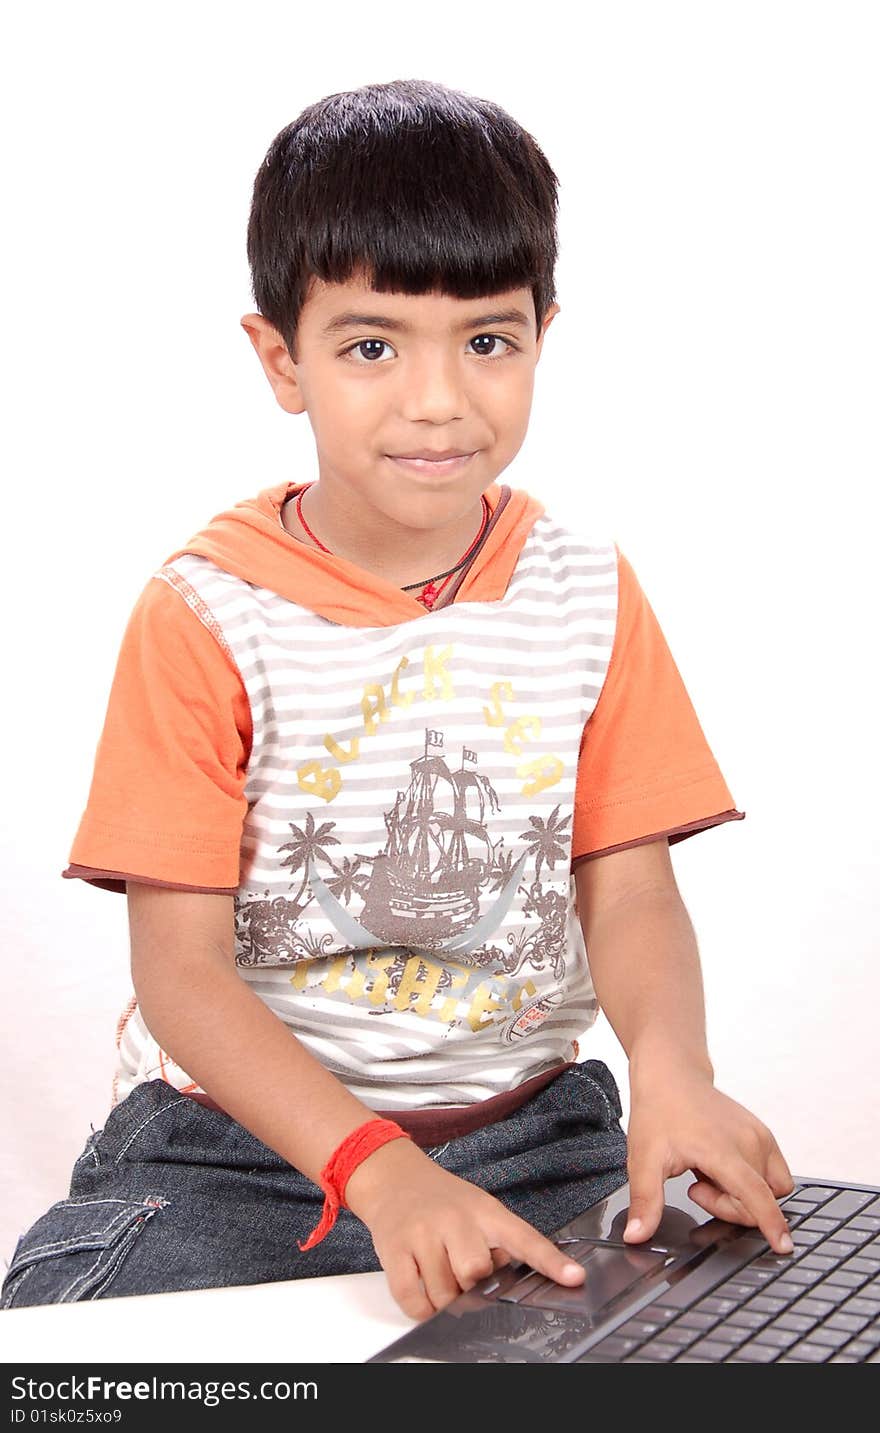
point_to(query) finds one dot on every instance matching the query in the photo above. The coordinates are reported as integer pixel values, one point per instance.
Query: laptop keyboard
(818, 1305)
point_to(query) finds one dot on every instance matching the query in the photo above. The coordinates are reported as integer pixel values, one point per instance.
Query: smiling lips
(424, 462)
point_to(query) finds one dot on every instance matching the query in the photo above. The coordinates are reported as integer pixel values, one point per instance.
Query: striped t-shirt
(395, 799)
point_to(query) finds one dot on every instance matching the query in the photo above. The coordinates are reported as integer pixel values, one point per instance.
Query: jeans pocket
(75, 1249)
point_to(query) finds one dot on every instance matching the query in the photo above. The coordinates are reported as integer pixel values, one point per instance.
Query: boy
(386, 755)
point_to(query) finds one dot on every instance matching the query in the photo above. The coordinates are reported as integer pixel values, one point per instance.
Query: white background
(708, 393)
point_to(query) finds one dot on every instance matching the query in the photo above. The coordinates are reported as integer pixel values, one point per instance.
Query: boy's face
(439, 374)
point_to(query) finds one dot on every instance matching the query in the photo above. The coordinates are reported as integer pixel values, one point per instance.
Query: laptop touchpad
(611, 1269)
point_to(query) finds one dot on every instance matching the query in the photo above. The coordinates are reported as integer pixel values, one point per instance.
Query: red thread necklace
(430, 591)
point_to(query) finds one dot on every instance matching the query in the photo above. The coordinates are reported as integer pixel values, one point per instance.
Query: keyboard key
(655, 1352)
(844, 1358)
(814, 1195)
(615, 1347)
(822, 1262)
(798, 1323)
(858, 1265)
(658, 1312)
(798, 1274)
(757, 1353)
(832, 1338)
(711, 1349)
(755, 1276)
(777, 1337)
(816, 1308)
(845, 1278)
(714, 1305)
(837, 1248)
(858, 1304)
(735, 1290)
(798, 1206)
(818, 1221)
(766, 1304)
(774, 1262)
(847, 1202)
(730, 1334)
(806, 1352)
(872, 1209)
(675, 1333)
(693, 1319)
(861, 1347)
(847, 1235)
(750, 1318)
(853, 1322)
(803, 1238)
(871, 1222)
(639, 1328)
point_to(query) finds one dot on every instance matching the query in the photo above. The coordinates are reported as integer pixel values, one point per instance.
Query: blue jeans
(171, 1195)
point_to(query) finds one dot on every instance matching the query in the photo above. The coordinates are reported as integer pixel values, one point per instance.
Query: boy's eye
(366, 350)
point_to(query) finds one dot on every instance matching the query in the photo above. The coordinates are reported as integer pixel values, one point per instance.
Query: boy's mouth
(433, 465)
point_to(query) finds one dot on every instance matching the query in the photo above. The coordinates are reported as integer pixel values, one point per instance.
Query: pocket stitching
(155, 1115)
(605, 1100)
(60, 1246)
(14, 1288)
(81, 1280)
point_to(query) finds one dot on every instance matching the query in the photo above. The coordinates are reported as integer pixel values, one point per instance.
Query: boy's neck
(398, 554)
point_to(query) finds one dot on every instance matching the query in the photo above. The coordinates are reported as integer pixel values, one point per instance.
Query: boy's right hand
(436, 1235)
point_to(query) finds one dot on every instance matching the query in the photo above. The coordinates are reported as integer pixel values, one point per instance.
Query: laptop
(700, 1291)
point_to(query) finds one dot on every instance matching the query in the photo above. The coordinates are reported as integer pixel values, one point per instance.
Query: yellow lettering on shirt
(436, 671)
(494, 715)
(317, 780)
(544, 771)
(339, 751)
(373, 702)
(420, 978)
(396, 699)
(519, 729)
(482, 1004)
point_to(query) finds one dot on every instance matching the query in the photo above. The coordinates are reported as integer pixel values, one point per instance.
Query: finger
(438, 1276)
(646, 1196)
(470, 1260)
(500, 1257)
(739, 1179)
(719, 1204)
(406, 1287)
(779, 1175)
(717, 1201)
(540, 1253)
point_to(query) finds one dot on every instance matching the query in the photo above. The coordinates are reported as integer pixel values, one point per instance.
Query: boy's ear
(551, 313)
(277, 364)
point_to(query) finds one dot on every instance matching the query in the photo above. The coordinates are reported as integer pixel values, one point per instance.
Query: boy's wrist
(653, 1058)
(368, 1184)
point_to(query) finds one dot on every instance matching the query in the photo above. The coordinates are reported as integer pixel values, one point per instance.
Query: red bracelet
(342, 1163)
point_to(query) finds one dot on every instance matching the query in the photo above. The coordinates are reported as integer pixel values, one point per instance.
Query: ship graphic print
(424, 891)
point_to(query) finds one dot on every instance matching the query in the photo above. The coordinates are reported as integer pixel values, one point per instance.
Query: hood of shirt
(250, 541)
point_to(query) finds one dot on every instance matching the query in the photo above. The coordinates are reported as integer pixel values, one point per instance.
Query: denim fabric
(170, 1195)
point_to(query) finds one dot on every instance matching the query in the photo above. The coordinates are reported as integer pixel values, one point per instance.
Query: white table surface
(343, 1319)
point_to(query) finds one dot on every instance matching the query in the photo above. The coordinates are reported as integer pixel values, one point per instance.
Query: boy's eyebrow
(372, 320)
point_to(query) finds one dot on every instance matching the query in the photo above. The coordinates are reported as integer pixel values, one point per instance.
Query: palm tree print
(347, 881)
(307, 845)
(543, 839)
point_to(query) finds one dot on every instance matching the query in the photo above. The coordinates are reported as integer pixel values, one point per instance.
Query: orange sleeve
(645, 768)
(167, 802)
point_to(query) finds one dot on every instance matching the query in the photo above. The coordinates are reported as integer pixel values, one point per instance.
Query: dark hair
(417, 186)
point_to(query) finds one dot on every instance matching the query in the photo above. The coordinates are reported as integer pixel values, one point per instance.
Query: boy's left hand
(679, 1121)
